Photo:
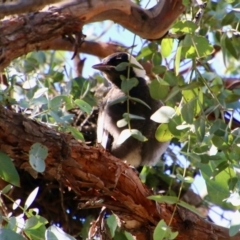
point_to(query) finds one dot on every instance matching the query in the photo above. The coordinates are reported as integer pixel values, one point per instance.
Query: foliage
(201, 115)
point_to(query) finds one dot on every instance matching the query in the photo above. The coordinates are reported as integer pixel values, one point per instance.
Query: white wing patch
(140, 72)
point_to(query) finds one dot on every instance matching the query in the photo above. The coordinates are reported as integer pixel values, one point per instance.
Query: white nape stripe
(140, 72)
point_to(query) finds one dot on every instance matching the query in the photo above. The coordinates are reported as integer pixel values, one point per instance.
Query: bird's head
(112, 68)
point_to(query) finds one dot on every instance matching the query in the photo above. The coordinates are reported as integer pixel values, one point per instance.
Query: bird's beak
(102, 67)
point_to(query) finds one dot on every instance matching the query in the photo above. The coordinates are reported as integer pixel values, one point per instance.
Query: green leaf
(166, 47)
(7, 234)
(35, 222)
(200, 128)
(37, 155)
(163, 231)
(138, 135)
(57, 101)
(172, 126)
(234, 199)
(158, 90)
(160, 70)
(122, 66)
(146, 51)
(170, 78)
(36, 233)
(230, 48)
(122, 123)
(31, 198)
(6, 189)
(8, 171)
(164, 199)
(156, 59)
(56, 233)
(219, 128)
(163, 134)
(75, 132)
(16, 204)
(189, 207)
(218, 186)
(235, 224)
(128, 84)
(174, 91)
(163, 114)
(40, 92)
(178, 59)
(128, 236)
(112, 224)
(126, 133)
(195, 46)
(139, 100)
(117, 100)
(188, 111)
(184, 27)
(219, 142)
(86, 225)
(174, 200)
(84, 106)
(129, 116)
(196, 97)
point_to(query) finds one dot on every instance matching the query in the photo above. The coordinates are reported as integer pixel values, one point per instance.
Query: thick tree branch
(114, 182)
(22, 34)
(98, 49)
(23, 6)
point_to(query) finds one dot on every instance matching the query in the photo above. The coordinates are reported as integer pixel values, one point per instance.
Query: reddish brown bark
(25, 33)
(111, 180)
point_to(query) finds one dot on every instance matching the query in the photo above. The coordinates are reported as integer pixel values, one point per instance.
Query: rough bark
(24, 33)
(112, 181)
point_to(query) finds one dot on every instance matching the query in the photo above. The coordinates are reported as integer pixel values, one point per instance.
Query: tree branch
(23, 6)
(110, 180)
(25, 33)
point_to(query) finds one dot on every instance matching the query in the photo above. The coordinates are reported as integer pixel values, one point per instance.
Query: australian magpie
(124, 99)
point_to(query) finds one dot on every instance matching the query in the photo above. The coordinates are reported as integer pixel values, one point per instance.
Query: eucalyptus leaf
(7, 234)
(76, 133)
(184, 26)
(162, 231)
(235, 224)
(159, 90)
(31, 198)
(129, 116)
(40, 92)
(117, 100)
(112, 224)
(140, 101)
(126, 133)
(56, 233)
(163, 114)
(163, 134)
(122, 123)
(128, 84)
(37, 155)
(8, 171)
(166, 46)
(84, 106)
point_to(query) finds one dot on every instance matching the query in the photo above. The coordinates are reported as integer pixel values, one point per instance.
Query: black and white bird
(133, 151)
